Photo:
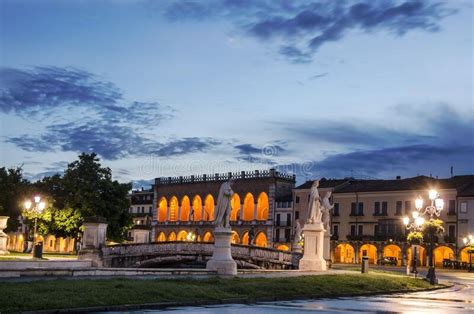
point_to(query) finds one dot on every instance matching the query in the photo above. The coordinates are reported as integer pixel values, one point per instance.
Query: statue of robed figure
(223, 205)
(314, 215)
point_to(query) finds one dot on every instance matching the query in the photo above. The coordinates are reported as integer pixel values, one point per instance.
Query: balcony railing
(449, 239)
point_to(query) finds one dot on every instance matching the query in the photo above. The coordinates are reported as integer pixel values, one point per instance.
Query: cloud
(25, 91)
(109, 141)
(305, 27)
(247, 149)
(109, 125)
(139, 184)
(317, 76)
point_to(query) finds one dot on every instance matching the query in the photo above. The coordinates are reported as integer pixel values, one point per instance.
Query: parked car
(388, 261)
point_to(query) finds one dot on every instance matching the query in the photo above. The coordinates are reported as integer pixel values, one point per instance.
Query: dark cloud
(306, 26)
(48, 87)
(110, 141)
(247, 149)
(111, 127)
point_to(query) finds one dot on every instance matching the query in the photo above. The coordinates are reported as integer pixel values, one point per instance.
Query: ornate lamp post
(36, 209)
(414, 226)
(469, 241)
(433, 210)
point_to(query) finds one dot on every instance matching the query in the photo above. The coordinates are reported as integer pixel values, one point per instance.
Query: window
(149, 209)
(361, 230)
(278, 219)
(297, 215)
(384, 208)
(335, 230)
(361, 209)
(452, 207)
(463, 208)
(407, 207)
(288, 219)
(376, 230)
(452, 231)
(353, 209)
(377, 208)
(353, 230)
(287, 235)
(398, 208)
(335, 210)
(277, 235)
(297, 200)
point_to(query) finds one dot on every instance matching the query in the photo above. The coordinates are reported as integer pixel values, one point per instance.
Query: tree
(12, 190)
(90, 190)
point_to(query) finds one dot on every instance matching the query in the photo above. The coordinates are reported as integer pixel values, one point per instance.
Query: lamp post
(433, 210)
(36, 209)
(469, 241)
(415, 226)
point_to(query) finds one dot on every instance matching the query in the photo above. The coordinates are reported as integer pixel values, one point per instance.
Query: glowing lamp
(415, 214)
(419, 203)
(41, 206)
(27, 204)
(37, 199)
(439, 203)
(419, 221)
(433, 194)
(464, 240)
(406, 220)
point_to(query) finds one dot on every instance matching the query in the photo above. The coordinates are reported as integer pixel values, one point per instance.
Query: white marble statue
(314, 204)
(223, 204)
(298, 233)
(326, 210)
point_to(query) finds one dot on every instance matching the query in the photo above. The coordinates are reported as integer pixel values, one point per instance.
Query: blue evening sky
(161, 88)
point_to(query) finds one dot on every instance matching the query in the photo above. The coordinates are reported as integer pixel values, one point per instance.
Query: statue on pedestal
(314, 215)
(326, 211)
(223, 205)
(298, 232)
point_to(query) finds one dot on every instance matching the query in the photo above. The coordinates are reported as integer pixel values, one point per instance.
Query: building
(367, 216)
(184, 207)
(141, 209)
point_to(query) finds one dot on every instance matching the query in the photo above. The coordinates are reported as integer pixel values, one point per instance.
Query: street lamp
(415, 226)
(433, 210)
(36, 209)
(469, 241)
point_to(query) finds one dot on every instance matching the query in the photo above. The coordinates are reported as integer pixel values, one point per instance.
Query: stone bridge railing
(162, 253)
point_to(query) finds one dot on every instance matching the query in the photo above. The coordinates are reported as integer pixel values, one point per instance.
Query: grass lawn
(23, 256)
(57, 294)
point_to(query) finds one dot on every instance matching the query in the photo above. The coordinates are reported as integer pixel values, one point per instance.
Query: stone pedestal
(94, 238)
(313, 256)
(3, 235)
(327, 246)
(297, 248)
(221, 260)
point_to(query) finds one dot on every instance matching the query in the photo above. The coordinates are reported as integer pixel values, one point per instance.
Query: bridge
(194, 254)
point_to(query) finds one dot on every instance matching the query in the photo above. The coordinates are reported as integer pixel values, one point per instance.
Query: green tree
(90, 190)
(12, 192)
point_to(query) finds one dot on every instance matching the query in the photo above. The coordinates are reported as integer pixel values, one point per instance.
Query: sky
(364, 88)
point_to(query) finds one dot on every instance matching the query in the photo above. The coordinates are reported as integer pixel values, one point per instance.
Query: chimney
(398, 177)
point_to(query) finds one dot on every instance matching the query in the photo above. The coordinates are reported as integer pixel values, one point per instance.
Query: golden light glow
(27, 204)
(262, 206)
(419, 221)
(235, 207)
(41, 206)
(344, 253)
(209, 208)
(185, 209)
(172, 236)
(415, 214)
(248, 210)
(261, 240)
(433, 194)
(37, 199)
(162, 209)
(419, 203)
(173, 215)
(406, 221)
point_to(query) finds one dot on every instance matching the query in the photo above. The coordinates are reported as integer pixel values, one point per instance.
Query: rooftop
(464, 184)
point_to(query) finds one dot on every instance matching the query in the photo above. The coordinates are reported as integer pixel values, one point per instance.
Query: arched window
(262, 206)
(182, 235)
(245, 238)
(370, 251)
(441, 253)
(261, 240)
(235, 207)
(248, 209)
(161, 237)
(283, 248)
(393, 250)
(162, 209)
(207, 237)
(197, 208)
(185, 209)
(209, 208)
(173, 209)
(235, 238)
(172, 236)
(344, 253)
